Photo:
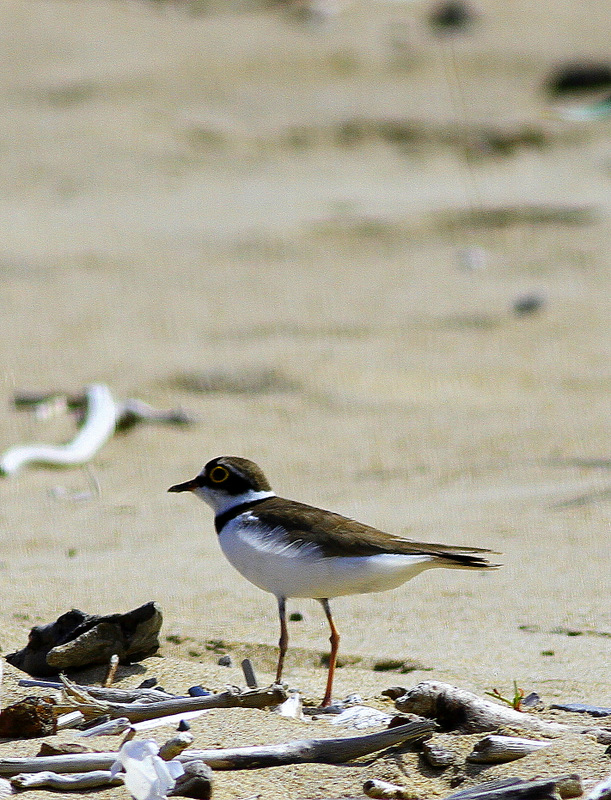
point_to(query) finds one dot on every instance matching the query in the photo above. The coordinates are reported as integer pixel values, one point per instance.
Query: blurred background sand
(283, 207)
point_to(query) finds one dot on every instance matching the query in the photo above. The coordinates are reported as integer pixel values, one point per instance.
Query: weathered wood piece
(232, 698)
(510, 789)
(458, 709)
(77, 639)
(136, 695)
(502, 749)
(67, 783)
(98, 426)
(602, 790)
(325, 751)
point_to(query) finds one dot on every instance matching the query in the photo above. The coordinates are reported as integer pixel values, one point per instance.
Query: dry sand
(281, 207)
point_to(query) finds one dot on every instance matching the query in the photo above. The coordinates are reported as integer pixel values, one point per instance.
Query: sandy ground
(284, 208)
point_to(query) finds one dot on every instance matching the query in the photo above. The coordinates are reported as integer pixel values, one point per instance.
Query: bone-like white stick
(98, 426)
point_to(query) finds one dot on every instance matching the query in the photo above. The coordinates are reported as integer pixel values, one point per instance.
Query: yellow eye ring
(218, 474)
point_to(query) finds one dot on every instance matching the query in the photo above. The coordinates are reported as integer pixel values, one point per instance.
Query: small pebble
(296, 616)
(183, 725)
(225, 661)
(528, 303)
(198, 691)
(394, 691)
(436, 755)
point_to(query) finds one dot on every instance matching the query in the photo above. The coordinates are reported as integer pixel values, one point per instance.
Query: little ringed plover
(295, 550)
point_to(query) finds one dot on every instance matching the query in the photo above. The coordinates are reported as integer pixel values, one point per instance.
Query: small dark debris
(457, 779)
(579, 76)
(405, 719)
(548, 653)
(28, 719)
(183, 725)
(92, 723)
(583, 708)
(528, 303)
(568, 631)
(296, 616)
(225, 661)
(396, 665)
(147, 683)
(608, 750)
(451, 16)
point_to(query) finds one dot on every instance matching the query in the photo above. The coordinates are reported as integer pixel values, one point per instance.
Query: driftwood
(324, 751)
(510, 789)
(67, 783)
(77, 639)
(98, 426)
(458, 709)
(602, 790)
(563, 786)
(501, 749)
(136, 695)
(232, 698)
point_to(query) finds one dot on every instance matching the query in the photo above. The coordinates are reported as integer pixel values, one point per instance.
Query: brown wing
(336, 535)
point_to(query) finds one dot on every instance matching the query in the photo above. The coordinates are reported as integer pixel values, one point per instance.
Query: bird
(293, 550)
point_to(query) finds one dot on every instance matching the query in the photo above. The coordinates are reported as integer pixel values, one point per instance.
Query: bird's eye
(218, 474)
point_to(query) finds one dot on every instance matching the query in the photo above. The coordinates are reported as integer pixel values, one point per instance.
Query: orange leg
(334, 639)
(284, 637)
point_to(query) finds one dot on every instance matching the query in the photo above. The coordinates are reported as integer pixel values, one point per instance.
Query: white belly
(291, 571)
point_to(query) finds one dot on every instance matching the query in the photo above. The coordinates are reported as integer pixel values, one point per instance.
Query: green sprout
(515, 702)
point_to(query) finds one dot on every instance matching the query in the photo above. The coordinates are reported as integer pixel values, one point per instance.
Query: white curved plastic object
(97, 428)
(147, 776)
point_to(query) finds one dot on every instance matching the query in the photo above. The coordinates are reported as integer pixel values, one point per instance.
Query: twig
(66, 783)
(249, 673)
(98, 426)
(112, 671)
(501, 749)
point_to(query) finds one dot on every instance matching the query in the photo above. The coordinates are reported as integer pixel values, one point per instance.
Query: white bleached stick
(98, 426)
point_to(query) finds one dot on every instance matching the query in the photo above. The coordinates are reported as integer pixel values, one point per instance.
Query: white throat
(221, 502)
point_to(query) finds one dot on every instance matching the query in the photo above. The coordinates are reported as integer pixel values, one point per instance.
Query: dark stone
(77, 640)
(195, 782)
